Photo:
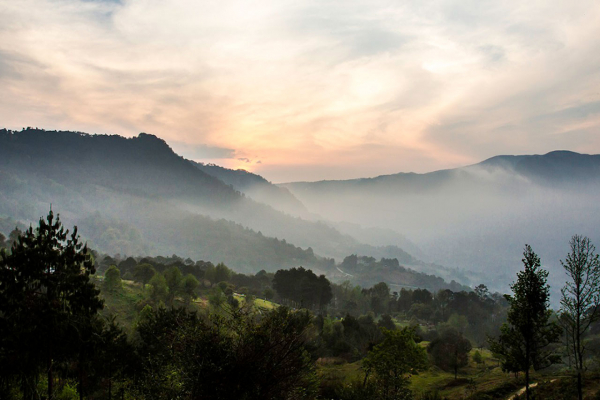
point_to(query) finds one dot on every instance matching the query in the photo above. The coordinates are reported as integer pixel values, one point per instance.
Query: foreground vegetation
(169, 328)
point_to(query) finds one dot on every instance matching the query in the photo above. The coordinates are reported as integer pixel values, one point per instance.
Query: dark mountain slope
(144, 165)
(137, 195)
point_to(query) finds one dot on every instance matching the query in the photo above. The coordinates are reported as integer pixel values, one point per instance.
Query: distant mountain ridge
(136, 195)
(559, 166)
(556, 167)
(140, 163)
(476, 217)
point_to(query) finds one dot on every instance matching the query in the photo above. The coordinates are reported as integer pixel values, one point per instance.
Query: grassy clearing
(122, 303)
(259, 304)
(125, 303)
(265, 304)
(471, 381)
(333, 371)
(474, 379)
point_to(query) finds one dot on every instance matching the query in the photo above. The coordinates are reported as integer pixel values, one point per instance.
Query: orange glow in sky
(310, 90)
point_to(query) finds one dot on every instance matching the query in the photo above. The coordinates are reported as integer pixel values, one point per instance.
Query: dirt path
(345, 273)
(522, 390)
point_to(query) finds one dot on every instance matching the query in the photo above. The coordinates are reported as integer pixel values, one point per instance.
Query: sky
(312, 89)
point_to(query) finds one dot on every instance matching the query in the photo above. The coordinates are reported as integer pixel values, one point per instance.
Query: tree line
(53, 339)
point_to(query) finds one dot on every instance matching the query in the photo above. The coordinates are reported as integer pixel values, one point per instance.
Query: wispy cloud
(354, 87)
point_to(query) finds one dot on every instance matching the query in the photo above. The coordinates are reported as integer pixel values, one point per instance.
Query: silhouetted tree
(303, 287)
(387, 322)
(524, 339)
(268, 293)
(127, 265)
(222, 273)
(46, 298)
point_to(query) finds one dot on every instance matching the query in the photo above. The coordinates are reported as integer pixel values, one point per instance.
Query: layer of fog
(475, 218)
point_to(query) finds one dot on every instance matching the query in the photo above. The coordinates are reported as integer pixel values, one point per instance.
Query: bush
(477, 357)
(112, 279)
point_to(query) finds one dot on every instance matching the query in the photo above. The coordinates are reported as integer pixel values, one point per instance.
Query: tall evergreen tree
(46, 297)
(524, 341)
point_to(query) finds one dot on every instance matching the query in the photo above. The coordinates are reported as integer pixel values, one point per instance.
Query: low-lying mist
(477, 218)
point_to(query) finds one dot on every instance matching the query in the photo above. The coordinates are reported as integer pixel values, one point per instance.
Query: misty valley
(128, 271)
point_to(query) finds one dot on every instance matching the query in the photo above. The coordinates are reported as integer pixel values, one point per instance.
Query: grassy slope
(488, 378)
(486, 381)
(124, 304)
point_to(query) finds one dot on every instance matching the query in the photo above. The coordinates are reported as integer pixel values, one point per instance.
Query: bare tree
(580, 299)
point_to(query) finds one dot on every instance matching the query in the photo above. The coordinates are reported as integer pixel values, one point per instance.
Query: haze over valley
(137, 197)
(299, 200)
(478, 216)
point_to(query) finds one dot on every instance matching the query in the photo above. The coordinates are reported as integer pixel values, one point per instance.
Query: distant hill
(256, 187)
(143, 165)
(477, 217)
(555, 168)
(136, 196)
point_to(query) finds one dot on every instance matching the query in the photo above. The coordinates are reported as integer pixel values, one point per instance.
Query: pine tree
(524, 341)
(46, 297)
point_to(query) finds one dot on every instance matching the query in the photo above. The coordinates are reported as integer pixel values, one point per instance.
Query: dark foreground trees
(47, 304)
(302, 288)
(238, 357)
(580, 301)
(50, 328)
(524, 341)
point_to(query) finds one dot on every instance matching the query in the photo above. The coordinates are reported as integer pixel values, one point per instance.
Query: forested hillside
(136, 196)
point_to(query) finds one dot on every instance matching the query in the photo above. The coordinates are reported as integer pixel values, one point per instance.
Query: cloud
(293, 83)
